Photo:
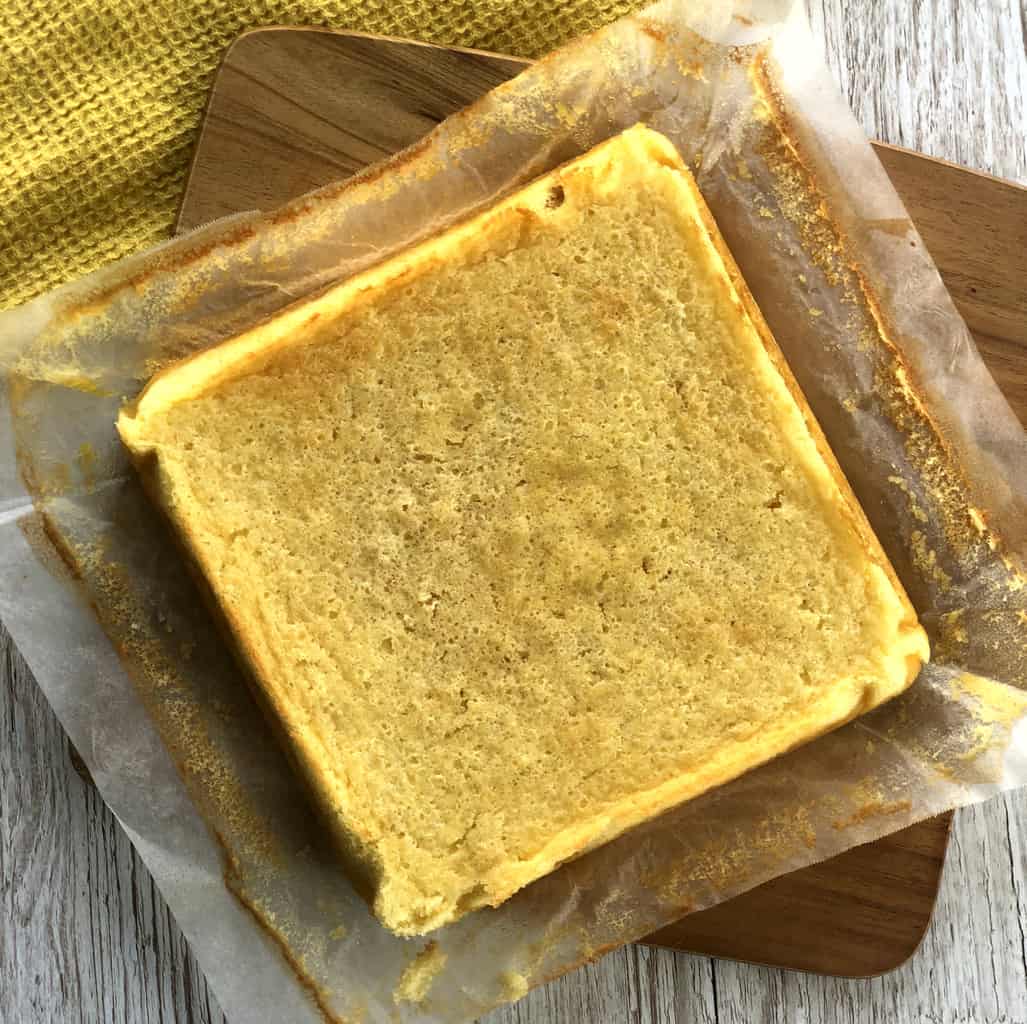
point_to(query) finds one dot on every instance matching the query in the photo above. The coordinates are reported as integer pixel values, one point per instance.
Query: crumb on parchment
(515, 986)
(416, 981)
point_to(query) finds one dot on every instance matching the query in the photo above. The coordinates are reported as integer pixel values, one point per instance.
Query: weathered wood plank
(84, 934)
(945, 77)
(969, 969)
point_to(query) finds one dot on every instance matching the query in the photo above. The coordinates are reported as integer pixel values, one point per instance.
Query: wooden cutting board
(293, 109)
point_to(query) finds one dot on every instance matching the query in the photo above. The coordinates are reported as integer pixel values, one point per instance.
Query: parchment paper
(159, 711)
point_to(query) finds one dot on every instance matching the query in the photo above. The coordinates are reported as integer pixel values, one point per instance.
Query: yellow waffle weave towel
(100, 101)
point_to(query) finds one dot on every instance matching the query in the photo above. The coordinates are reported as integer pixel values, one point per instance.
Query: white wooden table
(84, 936)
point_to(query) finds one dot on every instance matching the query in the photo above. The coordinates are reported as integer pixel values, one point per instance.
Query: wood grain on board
(860, 913)
(294, 109)
(975, 227)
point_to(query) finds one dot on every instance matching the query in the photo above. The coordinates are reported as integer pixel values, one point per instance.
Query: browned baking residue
(898, 227)
(915, 509)
(163, 262)
(267, 923)
(995, 708)
(730, 861)
(80, 382)
(925, 558)
(951, 638)
(964, 527)
(994, 703)
(183, 728)
(209, 780)
(651, 30)
(367, 176)
(969, 540)
(86, 462)
(589, 955)
(873, 809)
(692, 69)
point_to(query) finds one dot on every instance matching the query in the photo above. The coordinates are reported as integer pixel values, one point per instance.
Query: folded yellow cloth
(100, 101)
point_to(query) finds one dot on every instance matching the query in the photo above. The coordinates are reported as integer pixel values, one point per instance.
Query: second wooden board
(294, 109)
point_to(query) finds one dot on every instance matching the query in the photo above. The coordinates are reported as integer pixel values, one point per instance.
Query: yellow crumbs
(420, 975)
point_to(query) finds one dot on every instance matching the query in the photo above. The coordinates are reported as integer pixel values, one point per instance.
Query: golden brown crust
(500, 225)
(362, 866)
(851, 506)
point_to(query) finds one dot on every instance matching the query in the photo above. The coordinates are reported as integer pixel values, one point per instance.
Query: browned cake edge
(250, 351)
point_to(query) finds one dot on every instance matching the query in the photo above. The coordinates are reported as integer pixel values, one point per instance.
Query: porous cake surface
(526, 534)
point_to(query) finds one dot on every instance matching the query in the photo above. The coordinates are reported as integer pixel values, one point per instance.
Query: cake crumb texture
(526, 533)
(419, 976)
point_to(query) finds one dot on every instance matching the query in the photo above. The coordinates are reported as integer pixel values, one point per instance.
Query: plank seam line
(716, 995)
(1012, 868)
